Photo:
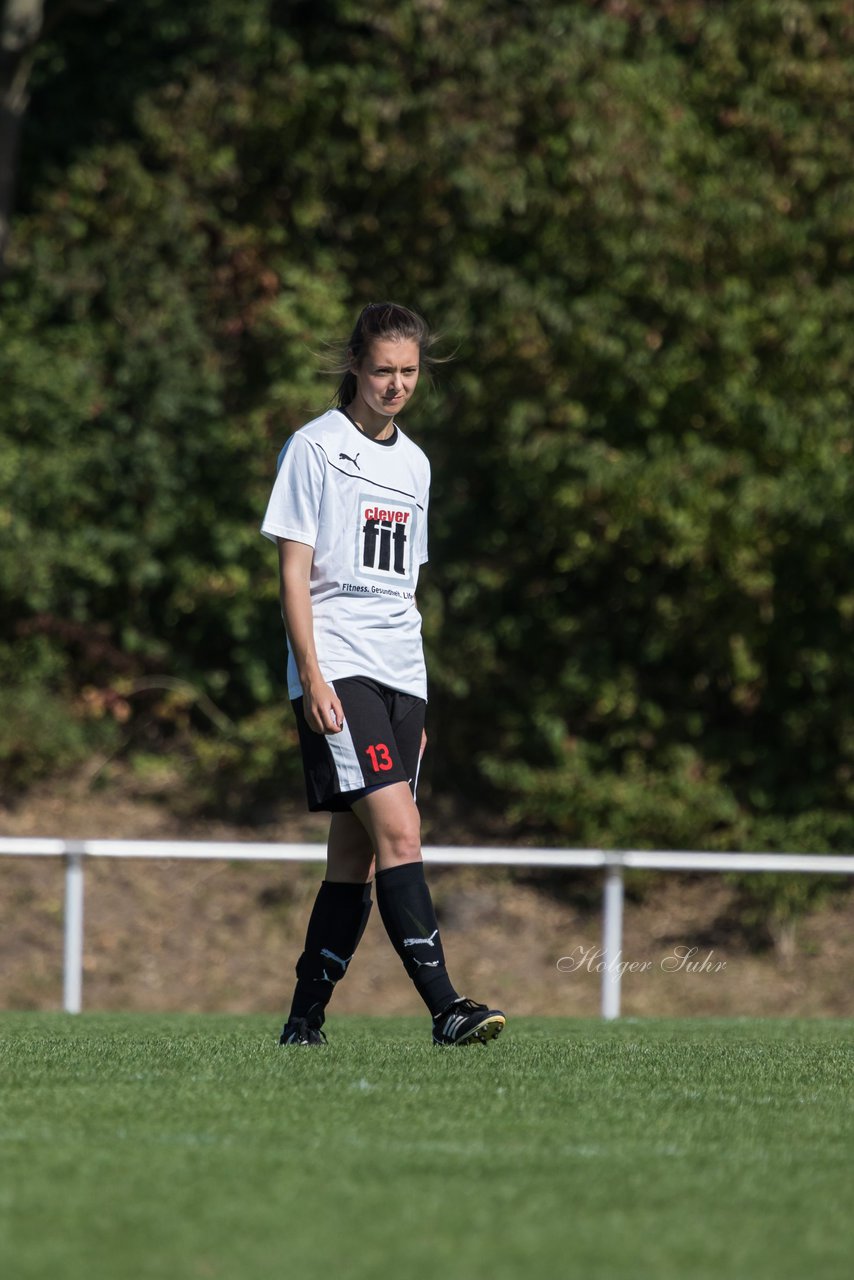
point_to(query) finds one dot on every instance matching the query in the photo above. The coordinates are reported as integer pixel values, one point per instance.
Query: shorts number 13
(380, 758)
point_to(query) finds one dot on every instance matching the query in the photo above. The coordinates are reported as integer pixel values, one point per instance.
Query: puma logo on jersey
(345, 457)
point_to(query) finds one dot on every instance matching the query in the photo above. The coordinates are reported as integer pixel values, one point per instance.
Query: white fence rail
(613, 863)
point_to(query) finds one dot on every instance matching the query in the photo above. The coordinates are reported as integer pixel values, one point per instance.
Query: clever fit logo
(385, 539)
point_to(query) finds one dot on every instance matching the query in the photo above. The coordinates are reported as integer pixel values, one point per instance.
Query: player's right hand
(323, 710)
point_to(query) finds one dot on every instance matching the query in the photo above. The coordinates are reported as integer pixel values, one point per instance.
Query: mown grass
(137, 1146)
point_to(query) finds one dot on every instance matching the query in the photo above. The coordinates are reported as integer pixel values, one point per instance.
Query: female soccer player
(349, 513)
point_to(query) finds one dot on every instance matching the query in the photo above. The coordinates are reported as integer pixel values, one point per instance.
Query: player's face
(387, 376)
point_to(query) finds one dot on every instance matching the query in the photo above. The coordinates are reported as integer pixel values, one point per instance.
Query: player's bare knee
(398, 854)
(402, 843)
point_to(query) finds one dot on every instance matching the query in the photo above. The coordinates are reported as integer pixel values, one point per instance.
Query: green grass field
(172, 1147)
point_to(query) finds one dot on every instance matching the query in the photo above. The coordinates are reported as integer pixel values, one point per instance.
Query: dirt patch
(217, 936)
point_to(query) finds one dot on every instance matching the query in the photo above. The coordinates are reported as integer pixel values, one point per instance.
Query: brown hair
(383, 321)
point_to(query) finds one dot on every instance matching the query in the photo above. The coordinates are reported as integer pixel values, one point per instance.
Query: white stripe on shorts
(350, 776)
(414, 781)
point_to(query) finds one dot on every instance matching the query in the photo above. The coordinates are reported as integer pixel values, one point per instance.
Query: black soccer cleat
(300, 1031)
(465, 1021)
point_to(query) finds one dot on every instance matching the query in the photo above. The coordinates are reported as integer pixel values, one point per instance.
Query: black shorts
(380, 743)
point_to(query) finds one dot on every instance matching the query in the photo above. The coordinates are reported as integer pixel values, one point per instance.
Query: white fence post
(72, 969)
(612, 939)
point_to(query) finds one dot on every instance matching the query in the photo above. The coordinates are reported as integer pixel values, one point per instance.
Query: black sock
(335, 928)
(410, 922)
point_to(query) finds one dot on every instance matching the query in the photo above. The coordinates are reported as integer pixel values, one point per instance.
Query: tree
(634, 221)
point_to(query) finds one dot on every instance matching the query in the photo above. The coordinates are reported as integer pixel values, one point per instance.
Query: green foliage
(42, 734)
(255, 762)
(633, 221)
(666, 807)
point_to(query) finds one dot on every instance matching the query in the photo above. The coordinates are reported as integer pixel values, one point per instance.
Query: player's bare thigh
(391, 820)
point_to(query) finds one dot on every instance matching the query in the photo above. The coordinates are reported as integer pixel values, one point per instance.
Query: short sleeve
(294, 505)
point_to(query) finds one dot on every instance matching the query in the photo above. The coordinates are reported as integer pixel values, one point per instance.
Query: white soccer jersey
(362, 506)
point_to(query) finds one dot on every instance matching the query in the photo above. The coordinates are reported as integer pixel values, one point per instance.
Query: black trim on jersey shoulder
(366, 479)
(392, 439)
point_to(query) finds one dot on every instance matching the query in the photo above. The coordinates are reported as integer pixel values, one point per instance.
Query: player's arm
(423, 746)
(323, 710)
